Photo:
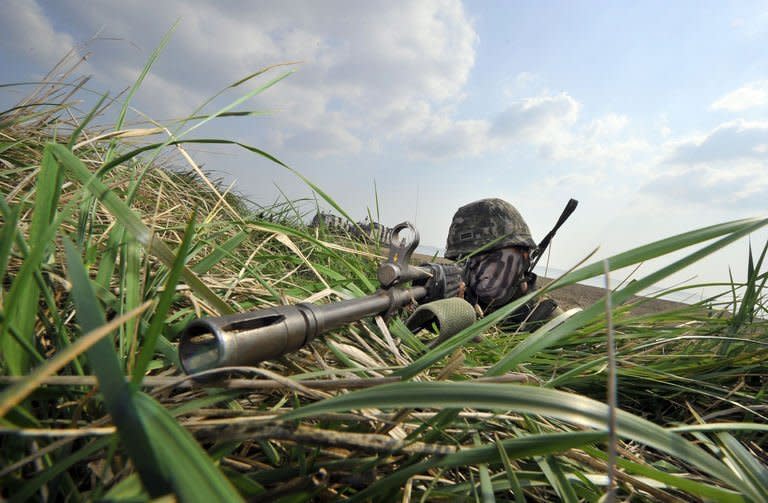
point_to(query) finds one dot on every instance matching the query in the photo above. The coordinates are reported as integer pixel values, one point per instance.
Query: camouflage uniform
(496, 242)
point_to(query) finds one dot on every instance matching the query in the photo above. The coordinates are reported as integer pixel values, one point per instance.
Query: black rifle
(248, 338)
(537, 253)
(570, 207)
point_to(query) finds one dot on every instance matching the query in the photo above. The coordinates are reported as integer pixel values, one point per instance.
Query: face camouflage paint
(495, 278)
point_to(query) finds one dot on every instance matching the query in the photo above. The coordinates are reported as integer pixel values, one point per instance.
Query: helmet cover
(482, 222)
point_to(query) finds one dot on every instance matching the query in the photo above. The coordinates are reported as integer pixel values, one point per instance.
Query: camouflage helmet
(481, 222)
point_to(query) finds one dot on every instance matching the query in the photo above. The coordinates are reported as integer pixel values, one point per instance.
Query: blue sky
(654, 115)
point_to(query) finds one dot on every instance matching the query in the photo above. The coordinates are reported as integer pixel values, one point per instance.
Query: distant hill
(583, 296)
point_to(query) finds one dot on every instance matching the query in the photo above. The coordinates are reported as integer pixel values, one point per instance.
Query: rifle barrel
(249, 338)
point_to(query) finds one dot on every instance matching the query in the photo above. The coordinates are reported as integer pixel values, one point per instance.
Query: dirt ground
(584, 296)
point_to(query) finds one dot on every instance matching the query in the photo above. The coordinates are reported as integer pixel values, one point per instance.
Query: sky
(654, 115)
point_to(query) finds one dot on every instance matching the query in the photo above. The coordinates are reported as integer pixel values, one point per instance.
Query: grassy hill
(106, 254)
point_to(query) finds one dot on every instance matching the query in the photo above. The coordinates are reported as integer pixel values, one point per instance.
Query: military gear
(496, 278)
(530, 316)
(449, 316)
(486, 222)
(535, 313)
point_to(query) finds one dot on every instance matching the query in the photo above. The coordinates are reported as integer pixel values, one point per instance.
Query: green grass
(106, 254)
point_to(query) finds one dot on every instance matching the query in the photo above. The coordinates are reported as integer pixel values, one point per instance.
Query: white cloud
(607, 126)
(753, 26)
(543, 122)
(370, 73)
(322, 142)
(447, 138)
(367, 69)
(536, 118)
(551, 125)
(725, 168)
(741, 186)
(574, 180)
(625, 154)
(522, 84)
(731, 141)
(28, 33)
(752, 95)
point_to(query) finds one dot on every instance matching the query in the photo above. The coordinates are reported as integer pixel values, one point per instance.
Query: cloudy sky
(654, 115)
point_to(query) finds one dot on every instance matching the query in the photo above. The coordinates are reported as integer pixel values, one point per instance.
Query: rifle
(264, 334)
(570, 207)
(529, 275)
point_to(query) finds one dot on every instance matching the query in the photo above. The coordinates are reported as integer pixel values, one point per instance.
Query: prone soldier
(493, 240)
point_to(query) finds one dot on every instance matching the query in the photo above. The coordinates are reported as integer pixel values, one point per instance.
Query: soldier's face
(495, 278)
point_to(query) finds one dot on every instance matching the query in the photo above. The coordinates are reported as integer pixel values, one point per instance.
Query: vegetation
(106, 253)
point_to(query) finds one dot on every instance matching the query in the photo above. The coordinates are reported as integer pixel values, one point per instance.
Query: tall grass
(105, 255)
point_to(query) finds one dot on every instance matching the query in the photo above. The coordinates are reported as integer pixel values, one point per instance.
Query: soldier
(493, 239)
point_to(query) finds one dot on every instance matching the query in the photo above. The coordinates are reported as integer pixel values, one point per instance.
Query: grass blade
(554, 473)
(164, 304)
(33, 486)
(486, 486)
(540, 341)
(7, 233)
(15, 394)
(118, 395)
(77, 170)
(219, 253)
(130, 295)
(683, 483)
(29, 268)
(523, 447)
(193, 474)
(526, 400)
(136, 85)
(25, 313)
(751, 470)
(84, 123)
(514, 483)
